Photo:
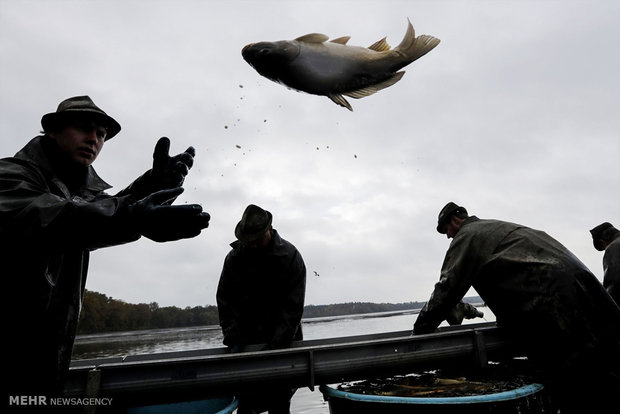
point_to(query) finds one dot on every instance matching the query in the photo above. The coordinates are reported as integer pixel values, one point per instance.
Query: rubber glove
(170, 172)
(463, 311)
(167, 171)
(160, 222)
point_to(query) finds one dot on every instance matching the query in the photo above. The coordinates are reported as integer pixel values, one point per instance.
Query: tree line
(101, 313)
(351, 308)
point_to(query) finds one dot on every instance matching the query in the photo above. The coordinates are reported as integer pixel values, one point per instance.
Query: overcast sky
(515, 115)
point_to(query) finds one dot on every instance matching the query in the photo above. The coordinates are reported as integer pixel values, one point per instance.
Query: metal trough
(191, 375)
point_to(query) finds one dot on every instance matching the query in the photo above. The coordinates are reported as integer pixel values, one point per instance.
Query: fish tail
(416, 47)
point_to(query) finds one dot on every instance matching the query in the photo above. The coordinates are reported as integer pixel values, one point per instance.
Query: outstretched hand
(160, 222)
(170, 172)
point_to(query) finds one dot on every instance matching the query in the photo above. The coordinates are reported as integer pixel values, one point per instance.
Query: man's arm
(227, 307)
(459, 267)
(292, 305)
(32, 213)
(611, 269)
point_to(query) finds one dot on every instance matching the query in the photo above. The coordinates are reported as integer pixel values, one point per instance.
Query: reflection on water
(146, 342)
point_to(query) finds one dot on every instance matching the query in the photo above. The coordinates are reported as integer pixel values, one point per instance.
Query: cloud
(513, 115)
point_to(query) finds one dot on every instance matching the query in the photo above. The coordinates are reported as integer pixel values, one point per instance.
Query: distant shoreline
(103, 314)
(135, 335)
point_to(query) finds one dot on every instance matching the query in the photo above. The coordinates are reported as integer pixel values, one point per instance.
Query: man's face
(452, 227)
(262, 242)
(81, 141)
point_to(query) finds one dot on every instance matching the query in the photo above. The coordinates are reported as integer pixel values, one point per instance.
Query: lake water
(182, 339)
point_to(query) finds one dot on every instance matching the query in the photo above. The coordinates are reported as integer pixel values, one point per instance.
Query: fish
(314, 65)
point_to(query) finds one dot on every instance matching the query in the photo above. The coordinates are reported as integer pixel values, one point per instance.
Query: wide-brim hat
(446, 213)
(253, 225)
(597, 235)
(82, 107)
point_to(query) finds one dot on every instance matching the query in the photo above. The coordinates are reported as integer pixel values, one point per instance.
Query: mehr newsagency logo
(42, 400)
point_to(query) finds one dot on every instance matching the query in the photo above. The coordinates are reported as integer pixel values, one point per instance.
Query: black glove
(471, 312)
(167, 172)
(170, 172)
(160, 222)
(462, 311)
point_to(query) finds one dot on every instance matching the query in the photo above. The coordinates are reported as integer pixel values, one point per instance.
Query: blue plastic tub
(526, 399)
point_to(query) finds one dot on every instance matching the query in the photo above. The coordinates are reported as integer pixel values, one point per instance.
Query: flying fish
(334, 69)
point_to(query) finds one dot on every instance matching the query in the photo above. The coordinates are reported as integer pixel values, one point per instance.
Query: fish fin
(313, 38)
(416, 47)
(340, 100)
(369, 90)
(341, 40)
(380, 46)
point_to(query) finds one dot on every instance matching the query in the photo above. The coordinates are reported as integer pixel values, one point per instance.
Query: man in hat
(260, 299)
(53, 211)
(606, 237)
(547, 300)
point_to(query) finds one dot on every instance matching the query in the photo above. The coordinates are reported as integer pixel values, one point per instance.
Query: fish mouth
(246, 50)
(254, 53)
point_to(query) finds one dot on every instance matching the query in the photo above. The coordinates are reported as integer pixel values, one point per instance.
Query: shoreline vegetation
(101, 313)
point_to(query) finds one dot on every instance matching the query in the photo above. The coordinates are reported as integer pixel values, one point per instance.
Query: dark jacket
(51, 216)
(536, 288)
(611, 268)
(260, 296)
